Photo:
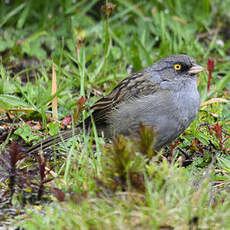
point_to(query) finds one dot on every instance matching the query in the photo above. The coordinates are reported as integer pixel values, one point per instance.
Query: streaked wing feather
(134, 86)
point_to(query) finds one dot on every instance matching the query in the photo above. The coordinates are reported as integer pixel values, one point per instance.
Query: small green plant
(124, 161)
(25, 132)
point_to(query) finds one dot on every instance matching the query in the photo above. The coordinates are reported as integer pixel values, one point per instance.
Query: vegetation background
(88, 47)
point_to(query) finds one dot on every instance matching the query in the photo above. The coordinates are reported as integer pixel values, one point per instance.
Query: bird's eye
(177, 66)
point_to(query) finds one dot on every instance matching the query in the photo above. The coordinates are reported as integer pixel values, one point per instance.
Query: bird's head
(176, 67)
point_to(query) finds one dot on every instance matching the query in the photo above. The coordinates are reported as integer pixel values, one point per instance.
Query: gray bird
(163, 95)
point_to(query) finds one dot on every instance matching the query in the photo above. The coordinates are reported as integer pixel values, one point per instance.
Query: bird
(163, 96)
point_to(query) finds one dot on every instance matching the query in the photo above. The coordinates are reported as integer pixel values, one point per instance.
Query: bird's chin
(185, 77)
(192, 75)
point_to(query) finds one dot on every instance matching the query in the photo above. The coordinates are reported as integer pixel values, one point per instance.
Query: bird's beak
(195, 69)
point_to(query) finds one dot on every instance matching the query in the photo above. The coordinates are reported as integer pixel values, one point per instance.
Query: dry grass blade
(54, 90)
(214, 100)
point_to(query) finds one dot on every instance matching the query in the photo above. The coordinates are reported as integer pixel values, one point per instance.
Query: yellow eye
(177, 66)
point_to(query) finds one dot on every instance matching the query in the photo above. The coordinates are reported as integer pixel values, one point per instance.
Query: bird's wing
(135, 86)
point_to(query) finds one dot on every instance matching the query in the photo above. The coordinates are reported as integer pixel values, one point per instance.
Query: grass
(86, 185)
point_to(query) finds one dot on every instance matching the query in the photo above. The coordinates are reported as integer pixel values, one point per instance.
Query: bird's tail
(54, 140)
